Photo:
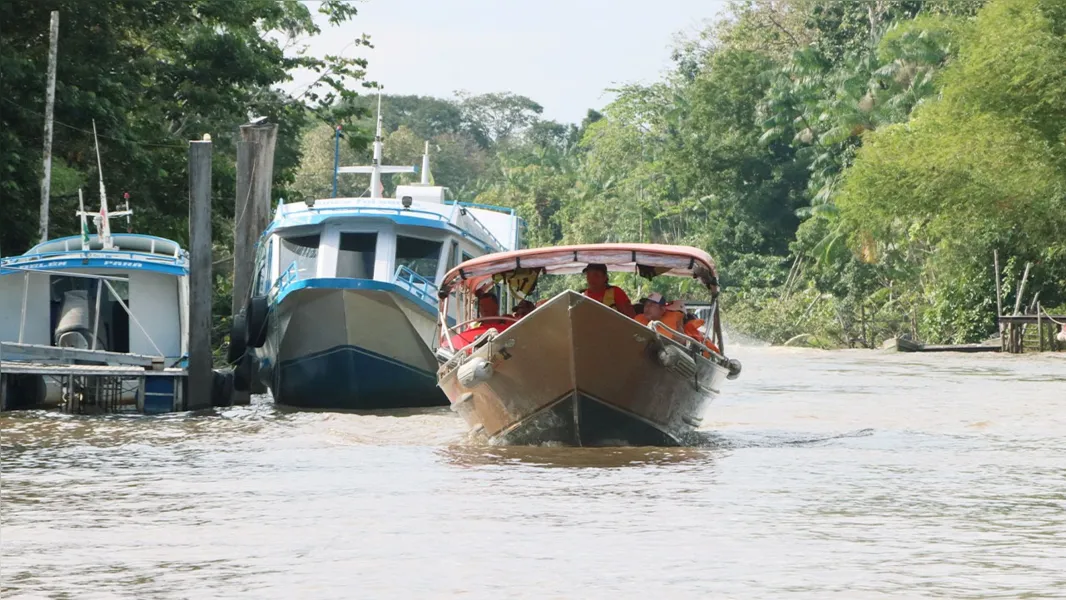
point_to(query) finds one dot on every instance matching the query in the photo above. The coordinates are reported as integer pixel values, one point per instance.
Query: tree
(495, 118)
(153, 76)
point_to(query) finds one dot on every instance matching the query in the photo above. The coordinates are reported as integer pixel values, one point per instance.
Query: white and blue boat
(344, 304)
(109, 294)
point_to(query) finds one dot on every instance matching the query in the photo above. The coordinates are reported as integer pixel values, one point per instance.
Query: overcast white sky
(561, 53)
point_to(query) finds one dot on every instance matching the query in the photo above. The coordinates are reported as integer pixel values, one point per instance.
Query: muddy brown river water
(849, 474)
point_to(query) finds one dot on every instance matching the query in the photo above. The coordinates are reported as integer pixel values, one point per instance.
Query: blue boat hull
(347, 377)
(360, 347)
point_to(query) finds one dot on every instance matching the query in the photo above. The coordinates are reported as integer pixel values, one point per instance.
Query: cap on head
(657, 298)
(595, 267)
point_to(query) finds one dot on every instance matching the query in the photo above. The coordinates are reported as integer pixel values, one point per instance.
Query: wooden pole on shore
(251, 215)
(201, 290)
(999, 301)
(1021, 289)
(49, 106)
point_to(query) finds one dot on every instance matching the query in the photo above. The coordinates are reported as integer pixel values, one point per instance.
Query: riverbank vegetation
(851, 165)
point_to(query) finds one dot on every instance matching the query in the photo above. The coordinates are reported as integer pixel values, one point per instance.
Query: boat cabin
(131, 297)
(408, 243)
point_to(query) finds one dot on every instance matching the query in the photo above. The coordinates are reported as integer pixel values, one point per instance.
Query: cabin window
(421, 256)
(303, 250)
(355, 257)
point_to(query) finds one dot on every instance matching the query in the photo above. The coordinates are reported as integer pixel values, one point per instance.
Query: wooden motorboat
(575, 371)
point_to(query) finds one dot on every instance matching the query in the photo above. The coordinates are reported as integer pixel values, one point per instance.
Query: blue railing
(104, 254)
(287, 276)
(502, 209)
(416, 284)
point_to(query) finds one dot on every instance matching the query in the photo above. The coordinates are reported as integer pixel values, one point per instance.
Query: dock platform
(88, 381)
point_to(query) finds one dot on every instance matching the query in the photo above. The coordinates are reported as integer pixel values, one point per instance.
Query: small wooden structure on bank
(1029, 327)
(1050, 330)
(1039, 331)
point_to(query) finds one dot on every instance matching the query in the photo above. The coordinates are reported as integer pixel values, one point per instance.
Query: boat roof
(129, 242)
(646, 259)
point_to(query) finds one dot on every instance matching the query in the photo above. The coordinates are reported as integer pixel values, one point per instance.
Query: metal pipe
(25, 297)
(336, 156)
(96, 323)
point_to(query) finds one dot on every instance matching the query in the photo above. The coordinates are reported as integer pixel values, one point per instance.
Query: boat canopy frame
(521, 269)
(648, 260)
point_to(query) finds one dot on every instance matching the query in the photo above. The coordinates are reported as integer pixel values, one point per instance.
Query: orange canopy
(683, 261)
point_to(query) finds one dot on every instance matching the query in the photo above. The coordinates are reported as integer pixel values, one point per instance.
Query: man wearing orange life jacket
(655, 310)
(692, 330)
(602, 291)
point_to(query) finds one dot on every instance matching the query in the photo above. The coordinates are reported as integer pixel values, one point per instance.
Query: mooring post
(201, 291)
(251, 215)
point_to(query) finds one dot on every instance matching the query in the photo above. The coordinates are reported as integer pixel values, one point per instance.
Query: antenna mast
(104, 227)
(376, 168)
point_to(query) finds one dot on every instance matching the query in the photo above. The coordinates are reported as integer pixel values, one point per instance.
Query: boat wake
(715, 439)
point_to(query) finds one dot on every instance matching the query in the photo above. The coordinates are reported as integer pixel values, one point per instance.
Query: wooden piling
(201, 289)
(999, 298)
(255, 172)
(1021, 289)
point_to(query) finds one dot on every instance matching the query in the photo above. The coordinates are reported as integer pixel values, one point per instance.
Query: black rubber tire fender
(256, 319)
(238, 338)
(222, 389)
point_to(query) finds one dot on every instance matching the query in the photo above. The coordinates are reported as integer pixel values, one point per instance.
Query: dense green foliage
(851, 165)
(153, 75)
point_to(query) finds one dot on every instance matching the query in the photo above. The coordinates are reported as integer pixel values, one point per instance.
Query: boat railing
(484, 230)
(418, 285)
(104, 279)
(502, 209)
(289, 275)
(128, 255)
(682, 338)
(386, 210)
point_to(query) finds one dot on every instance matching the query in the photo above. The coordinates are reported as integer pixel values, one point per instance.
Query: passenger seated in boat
(600, 290)
(655, 310)
(692, 330)
(488, 308)
(638, 306)
(523, 308)
(673, 316)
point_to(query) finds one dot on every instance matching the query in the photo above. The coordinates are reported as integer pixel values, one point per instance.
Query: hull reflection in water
(577, 373)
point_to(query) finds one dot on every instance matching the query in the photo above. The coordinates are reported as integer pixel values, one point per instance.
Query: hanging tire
(242, 374)
(238, 338)
(256, 315)
(222, 389)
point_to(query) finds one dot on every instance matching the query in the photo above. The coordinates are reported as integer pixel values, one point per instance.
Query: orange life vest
(608, 296)
(670, 318)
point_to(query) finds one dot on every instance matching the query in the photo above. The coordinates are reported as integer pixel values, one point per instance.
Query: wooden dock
(1044, 327)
